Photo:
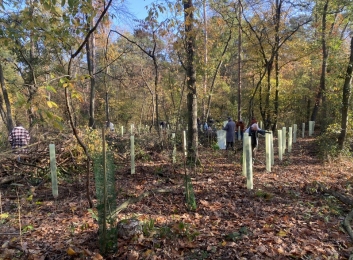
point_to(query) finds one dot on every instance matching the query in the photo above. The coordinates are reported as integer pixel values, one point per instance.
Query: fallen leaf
(71, 252)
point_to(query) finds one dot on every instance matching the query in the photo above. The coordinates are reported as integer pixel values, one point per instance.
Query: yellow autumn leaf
(224, 243)
(282, 233)
(70, 252)
(97, 256)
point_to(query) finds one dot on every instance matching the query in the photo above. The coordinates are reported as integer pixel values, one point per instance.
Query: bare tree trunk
(345, 100)
(191, 82)
(215, 76)
(107, 112)
(90, 52)
(205, 76)
(320, 97)
(239, 58)
(9, 120)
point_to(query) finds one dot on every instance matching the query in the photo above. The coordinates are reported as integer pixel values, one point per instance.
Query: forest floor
(287, 215)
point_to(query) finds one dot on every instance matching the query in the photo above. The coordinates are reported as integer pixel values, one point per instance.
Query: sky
(137, 7)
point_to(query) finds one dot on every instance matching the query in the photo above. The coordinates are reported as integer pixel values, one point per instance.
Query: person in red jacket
(240, 124)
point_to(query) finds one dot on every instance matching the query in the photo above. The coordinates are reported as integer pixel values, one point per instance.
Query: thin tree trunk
(345, 100)
(215, 76)
(239, 58)
(321, 93)
(191, 82)
(205, 76)
(9, 120)
(90, 52)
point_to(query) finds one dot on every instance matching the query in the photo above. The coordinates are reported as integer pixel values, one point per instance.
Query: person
(19, 137)
(240, 124)
(111, 127)
(205, 126)
(230, 129)
(253, 131)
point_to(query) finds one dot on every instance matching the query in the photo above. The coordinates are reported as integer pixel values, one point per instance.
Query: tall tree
(271, 32)
(91, 64)
(8, 114)
(346, 95)
(191, 80)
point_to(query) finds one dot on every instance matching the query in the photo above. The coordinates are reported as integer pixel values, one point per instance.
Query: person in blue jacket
(230, 135)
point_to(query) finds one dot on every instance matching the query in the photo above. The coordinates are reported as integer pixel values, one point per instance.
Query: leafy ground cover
(290, 213)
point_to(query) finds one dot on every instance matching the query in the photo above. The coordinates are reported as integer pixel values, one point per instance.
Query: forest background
(69, 67)
(73, 61)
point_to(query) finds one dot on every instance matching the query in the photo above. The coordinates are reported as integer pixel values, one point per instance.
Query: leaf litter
(285, 216)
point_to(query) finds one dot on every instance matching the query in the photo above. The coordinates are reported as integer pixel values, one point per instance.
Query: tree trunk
(239, 58)
(191, 82)
(9, 120)
(320, 97)
(90, 52)
(205, 76)
(345, 100)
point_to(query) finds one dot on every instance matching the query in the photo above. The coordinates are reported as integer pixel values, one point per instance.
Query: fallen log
(347, 224)
(9, 179)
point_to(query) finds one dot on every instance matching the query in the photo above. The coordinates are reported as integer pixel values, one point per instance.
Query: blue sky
(137, 7)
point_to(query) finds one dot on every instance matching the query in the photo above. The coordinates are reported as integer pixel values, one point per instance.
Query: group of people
(231, 129)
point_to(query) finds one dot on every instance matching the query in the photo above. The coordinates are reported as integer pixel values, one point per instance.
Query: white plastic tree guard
(122, 130)
(184, 143)
(268, 151)
(245, 137)
(303, 130)
(272, 150)
(284, 141)
(174, 148)
(290, 139)
(53, 170)
(245, 140)
(132, 152)
(295, 131)
(311, 127)
(280, 146)
(221, 139)
(249, 173)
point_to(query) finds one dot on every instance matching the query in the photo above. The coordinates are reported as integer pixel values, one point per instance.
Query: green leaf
(63, 2)
(62, 80)
(50, 88)
(47, 6)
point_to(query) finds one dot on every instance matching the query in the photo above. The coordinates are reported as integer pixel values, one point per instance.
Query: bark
(191, 82)
(9, 119)
(320, 94)
(345, 100)
(346, 224)
(90, 52)
(205, 76)
(239, 58)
